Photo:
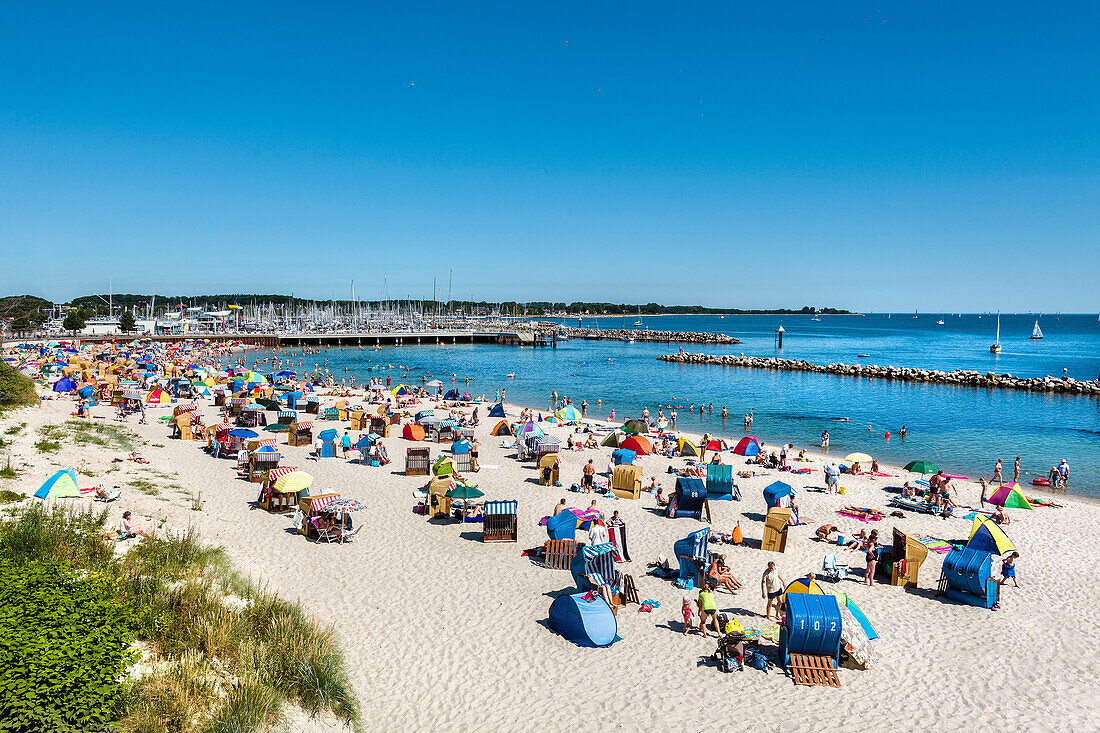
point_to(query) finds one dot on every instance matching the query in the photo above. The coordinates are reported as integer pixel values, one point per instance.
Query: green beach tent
(61, 484)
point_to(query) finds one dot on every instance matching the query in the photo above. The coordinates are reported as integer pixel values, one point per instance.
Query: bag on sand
(735, 536)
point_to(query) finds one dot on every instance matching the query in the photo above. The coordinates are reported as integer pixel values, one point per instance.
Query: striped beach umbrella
(293, 482)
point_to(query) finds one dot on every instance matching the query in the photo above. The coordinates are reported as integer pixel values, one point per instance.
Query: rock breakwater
(958, 377)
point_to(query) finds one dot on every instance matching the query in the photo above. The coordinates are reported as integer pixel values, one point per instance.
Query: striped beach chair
(500, 522)
(693, 555)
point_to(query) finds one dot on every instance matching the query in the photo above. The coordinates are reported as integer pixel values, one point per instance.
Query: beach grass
(16, 389)
(225, 655)
(7, 496)
(84, 433)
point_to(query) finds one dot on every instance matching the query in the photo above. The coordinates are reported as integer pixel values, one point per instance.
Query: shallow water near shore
(964, 430)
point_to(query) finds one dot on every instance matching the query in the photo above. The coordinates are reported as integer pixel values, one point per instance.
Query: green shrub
(10, 497)
(64, 643)
(47, 446)
(16, 388)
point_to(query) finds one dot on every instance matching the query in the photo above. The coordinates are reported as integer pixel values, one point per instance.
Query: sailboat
(940, 322)
(996, 347)
(914, 314)
(638, 323)
(1036, 332)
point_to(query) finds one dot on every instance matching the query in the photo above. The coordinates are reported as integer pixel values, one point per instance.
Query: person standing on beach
(1008, 569)
(832, 475)
(997, 476)
(584, 408)
(771, 588)
(1016, 471)
(589, 472)
(703, 447)
(872, 560)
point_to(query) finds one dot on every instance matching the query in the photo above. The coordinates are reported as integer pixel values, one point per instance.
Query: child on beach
(1008, 569)
(685, 609)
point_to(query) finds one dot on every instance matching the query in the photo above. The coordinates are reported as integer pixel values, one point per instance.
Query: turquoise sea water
(963, 430)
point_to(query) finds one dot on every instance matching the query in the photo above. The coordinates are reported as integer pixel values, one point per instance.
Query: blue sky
(874, 156)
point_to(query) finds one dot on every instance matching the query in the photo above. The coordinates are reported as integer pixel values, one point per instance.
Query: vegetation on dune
(83, 432)
(16, 389)
(218, 653)
(27, 312)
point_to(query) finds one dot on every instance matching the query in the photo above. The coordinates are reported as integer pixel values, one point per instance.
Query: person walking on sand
(1016, 471)
(771, 589)
(685, 609)
(997, 475)
(1008, 569)
(708, 608)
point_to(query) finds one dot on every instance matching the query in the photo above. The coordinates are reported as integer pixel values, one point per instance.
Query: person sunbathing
(591, 442)
(856, 469)
(719, 574)
(874, 466)
(862, 512)
(1000, 516)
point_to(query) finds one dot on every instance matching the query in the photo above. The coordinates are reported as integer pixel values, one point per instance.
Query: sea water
(964, 430)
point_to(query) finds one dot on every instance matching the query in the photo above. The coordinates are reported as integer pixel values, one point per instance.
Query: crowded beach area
(486, 563)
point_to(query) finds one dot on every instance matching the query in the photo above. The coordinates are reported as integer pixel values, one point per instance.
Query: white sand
(444, 632)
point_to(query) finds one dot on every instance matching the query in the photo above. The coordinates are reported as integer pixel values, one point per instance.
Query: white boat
(939, 322)
(1036, 332)
(996, 347)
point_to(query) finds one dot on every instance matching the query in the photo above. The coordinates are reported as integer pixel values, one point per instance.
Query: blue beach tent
(497, 410)
(585, 623)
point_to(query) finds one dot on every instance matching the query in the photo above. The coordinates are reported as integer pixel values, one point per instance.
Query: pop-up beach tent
(986, 535)
(61, 484)
(497, 410)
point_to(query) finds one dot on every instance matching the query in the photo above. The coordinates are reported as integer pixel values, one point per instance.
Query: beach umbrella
(285, 373)
(924, 467)
(634, 426)
(346, 505)
(243, 433)
(747, 446)
(860, 458)
(569, 413)
(293, 482)
(276, 428)
(463, 492)
(1009, 496)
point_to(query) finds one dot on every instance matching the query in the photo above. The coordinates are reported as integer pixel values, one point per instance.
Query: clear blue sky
(887, 155)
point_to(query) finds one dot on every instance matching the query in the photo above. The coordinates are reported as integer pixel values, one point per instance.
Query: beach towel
(935, 545)
(876, 518)
(801, 470)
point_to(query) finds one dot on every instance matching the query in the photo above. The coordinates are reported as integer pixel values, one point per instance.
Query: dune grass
(226, 654)
(83, 432)
(16, 389)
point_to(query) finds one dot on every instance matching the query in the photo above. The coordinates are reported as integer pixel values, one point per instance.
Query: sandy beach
(444, 632)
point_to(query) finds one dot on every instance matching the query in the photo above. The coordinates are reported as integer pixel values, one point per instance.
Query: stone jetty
(618, 334)
(958, 377)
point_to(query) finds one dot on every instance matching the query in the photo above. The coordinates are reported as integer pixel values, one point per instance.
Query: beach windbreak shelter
(497, 410)
(626, 481)
(687, 448)
(587, 622)
(61, 485)
(502, 428)
(1009, 496)
(611, 441)
(987, 536)
(747, 446)
(720, 481)
(637, 443)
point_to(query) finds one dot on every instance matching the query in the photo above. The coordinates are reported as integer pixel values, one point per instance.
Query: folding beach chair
(832, 570)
